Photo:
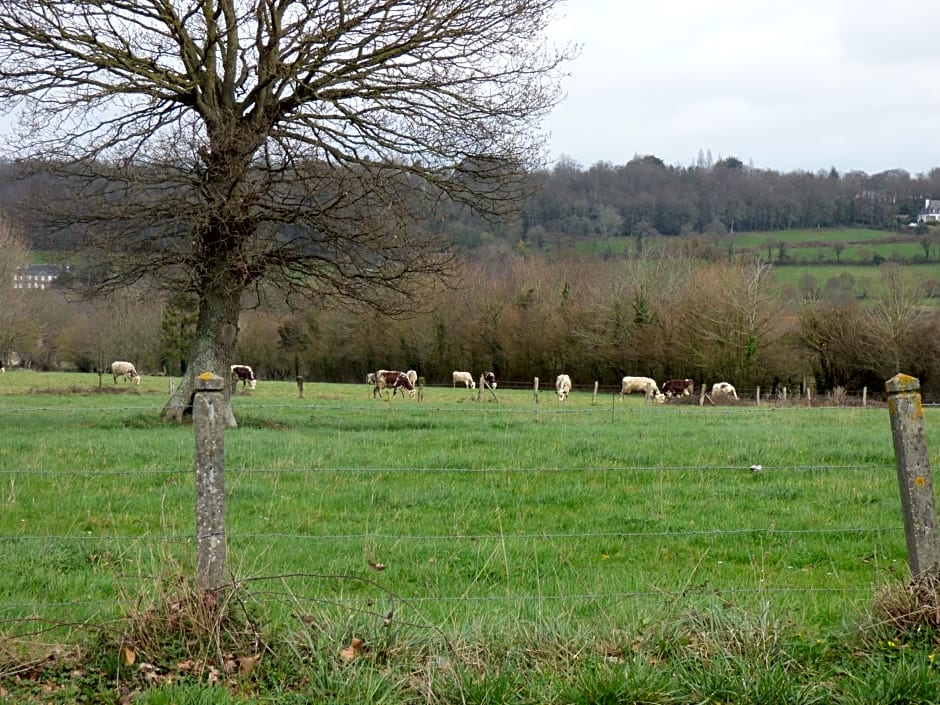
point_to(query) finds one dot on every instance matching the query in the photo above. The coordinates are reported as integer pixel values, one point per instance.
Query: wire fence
(883, 541)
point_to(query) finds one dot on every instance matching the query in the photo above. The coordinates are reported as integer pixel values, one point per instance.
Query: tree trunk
(213, 343)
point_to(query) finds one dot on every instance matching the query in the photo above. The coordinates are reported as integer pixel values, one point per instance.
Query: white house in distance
(37, 276)
(931, 212)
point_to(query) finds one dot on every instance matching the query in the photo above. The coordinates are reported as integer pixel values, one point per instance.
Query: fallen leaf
(246, 664)
(376, 566)
(351, 652)
(129, 656)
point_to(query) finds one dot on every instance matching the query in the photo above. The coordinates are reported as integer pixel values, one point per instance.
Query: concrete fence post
(914, 479)
(535, 390)
(209, 425)
(594, 396)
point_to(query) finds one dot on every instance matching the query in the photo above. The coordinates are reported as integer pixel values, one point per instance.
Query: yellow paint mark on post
(206, 375)
(920, 481)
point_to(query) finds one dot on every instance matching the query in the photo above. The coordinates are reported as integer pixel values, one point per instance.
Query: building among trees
(38, 276)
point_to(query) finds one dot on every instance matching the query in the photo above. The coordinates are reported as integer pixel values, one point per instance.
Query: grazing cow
(245, 375)
(394, 380)
(119, 368)
(563, 387)
(639, 385)
(490, 379)
(642, 385)
(678, 387)
(373, 379)
(723, 389)
(465, 378)
(412, 377)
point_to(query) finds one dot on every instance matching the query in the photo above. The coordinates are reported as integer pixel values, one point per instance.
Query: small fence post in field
(864, 397)
(300, 386)
(914, 479)
(594, 396)
(535, 390)
(701, 398)
(209, 425)
(172, 386)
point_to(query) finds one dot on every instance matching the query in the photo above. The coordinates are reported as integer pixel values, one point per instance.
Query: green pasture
(485, 513)
(830, 236)
(485, 551)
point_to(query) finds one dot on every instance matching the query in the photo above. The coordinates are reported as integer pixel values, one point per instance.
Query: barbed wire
(83, 472)
(370, 536)
(247, 404)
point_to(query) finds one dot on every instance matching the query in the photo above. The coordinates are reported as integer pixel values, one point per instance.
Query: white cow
(640, 385)
(119, 368)
(412, 377)
(563, 387)
(723, 389)
(464, 378)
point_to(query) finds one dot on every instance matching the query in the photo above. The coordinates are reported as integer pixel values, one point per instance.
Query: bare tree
(216, 145)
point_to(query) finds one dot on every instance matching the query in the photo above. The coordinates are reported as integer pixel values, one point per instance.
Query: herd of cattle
(127, 371)
(670, 388)
(407, 382)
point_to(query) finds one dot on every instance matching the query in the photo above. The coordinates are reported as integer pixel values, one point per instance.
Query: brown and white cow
(373, 379)
(245, 375)
(119, 368)
(394, 380)
(563, 387)
(678, 387)
(490, 379)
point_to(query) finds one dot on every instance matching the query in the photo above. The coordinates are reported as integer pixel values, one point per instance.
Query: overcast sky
(791, 85)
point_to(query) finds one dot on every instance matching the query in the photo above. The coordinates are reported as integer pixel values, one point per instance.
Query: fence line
(184, 538)
(245, 404)
(78, 472)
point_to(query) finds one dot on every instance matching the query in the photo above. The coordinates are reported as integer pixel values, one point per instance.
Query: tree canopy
(214, 146)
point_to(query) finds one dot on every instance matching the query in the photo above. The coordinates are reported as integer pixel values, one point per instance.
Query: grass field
(591, 520)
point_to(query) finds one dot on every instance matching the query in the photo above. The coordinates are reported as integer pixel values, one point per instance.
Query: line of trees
(641, 199)
(645, 197)
(666, 315)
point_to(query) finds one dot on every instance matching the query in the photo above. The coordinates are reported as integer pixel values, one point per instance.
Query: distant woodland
(646, 197)
(524, 305)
